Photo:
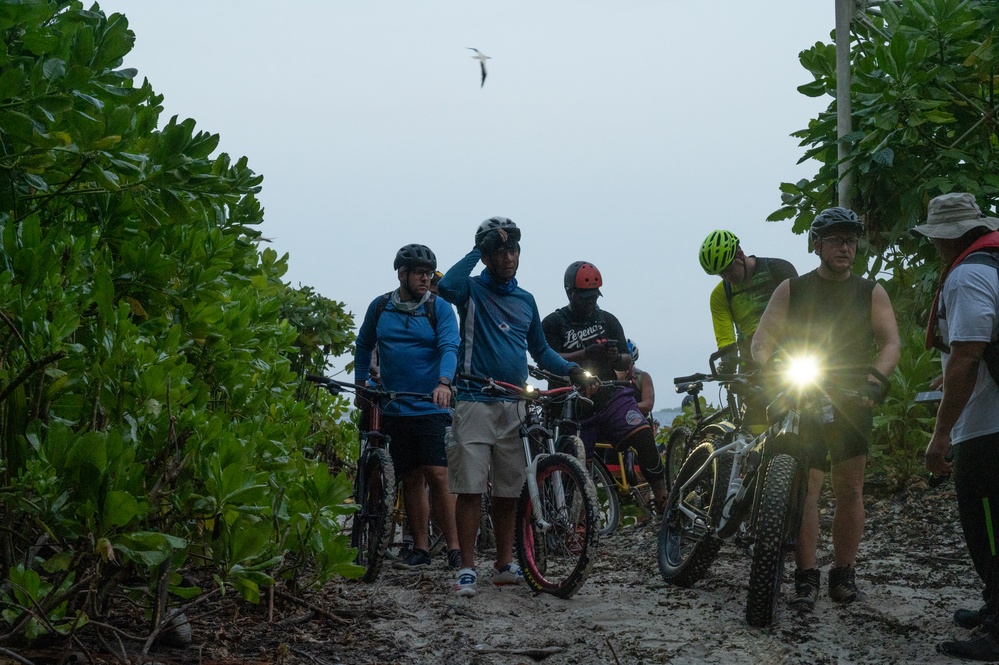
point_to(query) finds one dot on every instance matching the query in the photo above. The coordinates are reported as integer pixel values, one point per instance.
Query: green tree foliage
(152, 417)
(923, 95)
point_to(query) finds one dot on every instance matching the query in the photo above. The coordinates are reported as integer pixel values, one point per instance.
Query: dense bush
(152, 418)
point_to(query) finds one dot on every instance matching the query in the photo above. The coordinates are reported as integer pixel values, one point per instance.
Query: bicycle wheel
(608, 502)
(559, 559)
(372, 524)
(687, 544)
(771, 525)
(678, 446)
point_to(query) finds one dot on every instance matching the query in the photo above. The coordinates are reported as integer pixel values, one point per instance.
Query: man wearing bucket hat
(964, 324)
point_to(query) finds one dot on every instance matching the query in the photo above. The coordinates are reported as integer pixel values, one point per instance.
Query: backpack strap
(429, 310)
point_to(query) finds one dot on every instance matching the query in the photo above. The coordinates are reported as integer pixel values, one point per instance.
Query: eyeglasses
(421, 272)
(840, 241)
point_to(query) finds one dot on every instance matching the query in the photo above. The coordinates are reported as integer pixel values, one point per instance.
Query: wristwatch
(444, 381)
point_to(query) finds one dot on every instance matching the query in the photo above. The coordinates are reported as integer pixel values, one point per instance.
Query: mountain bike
(375, 482)
(750, 489)
(556, 531)
(683, 439)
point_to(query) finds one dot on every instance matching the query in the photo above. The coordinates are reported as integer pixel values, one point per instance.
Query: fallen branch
(309, 606)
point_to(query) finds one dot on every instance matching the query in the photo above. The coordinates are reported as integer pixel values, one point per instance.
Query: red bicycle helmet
(584, 276)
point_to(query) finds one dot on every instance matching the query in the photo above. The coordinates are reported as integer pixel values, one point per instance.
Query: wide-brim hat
(952, 215)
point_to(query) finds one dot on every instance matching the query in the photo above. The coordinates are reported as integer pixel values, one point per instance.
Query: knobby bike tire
(608, 502)
(558, 561)
(771, 525)
(572, 446)
(372, 524)
(679, 445)
(688, 546)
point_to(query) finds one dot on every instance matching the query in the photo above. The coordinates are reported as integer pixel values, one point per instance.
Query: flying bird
(481, 57)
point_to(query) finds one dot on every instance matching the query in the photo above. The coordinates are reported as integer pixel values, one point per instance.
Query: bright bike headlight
(528, 389)
(802, 371)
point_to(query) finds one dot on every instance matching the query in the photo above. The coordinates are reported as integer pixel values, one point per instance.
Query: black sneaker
(969, 619)
(806, 589)
(454, 559)
(983, 648)
(843, 585)
(417, 559)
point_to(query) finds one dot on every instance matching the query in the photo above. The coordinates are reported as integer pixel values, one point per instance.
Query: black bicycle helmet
(493, 223)
(415, 256)
(838, 218)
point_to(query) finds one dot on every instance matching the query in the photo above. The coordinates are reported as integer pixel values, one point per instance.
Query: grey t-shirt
(969, 306)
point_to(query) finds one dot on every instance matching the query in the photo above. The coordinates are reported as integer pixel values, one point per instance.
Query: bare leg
(504, 511)
(414, 493)
(467, 512)
(848, 520)
(442, 504)
(808, 536)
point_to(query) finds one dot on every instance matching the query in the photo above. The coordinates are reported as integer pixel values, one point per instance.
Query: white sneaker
(508, 574)
(464, 583)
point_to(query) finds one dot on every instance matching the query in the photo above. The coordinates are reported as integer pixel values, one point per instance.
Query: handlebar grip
(691, 378)
(315, 378)
(726, 350)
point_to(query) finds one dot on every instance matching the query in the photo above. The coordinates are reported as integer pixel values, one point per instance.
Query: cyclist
(849, 320)
(738, 301)
(645, 391)
(499, 326)
(584, 333)
(416, 338)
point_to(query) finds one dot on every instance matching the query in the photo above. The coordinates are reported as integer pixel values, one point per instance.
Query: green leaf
(11, 83)
(120, 508)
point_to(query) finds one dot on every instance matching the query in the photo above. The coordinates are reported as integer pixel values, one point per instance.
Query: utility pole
(844, 124)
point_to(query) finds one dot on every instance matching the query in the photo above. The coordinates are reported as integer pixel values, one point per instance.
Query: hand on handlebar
(583, 380)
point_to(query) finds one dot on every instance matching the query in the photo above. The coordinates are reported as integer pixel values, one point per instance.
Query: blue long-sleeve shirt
(500, 325)
(411, 356)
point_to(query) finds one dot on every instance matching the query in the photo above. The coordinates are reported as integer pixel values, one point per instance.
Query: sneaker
(983, 648)
(454, 559)
(402, 554)
(464, 583)
(508, 574)
(843, 585)
(969, 619)
(417, 559)
(806, 589)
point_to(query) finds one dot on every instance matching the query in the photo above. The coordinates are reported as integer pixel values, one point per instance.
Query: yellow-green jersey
(736, 310)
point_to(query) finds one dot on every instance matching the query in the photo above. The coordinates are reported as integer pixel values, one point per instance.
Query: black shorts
(416, 441)
(846, 437)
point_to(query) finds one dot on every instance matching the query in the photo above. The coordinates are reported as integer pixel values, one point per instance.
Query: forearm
(958, 384)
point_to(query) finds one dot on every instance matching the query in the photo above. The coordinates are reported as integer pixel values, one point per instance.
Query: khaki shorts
(486, 447)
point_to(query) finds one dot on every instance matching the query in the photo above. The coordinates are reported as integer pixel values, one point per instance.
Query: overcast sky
(619, 133)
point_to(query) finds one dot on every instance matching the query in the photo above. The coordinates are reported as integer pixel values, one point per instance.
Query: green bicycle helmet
(718, 251)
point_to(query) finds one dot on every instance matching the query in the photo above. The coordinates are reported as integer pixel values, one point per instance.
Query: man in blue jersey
(500, 324)
(416, 337)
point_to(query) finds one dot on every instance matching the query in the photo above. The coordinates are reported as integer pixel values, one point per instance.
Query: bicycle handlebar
(337, 387)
